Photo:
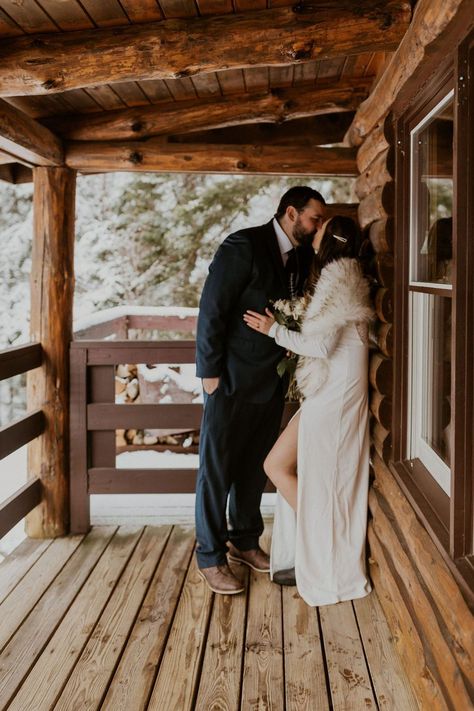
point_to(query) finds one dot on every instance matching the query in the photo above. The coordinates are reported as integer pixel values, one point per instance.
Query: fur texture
(341, 297)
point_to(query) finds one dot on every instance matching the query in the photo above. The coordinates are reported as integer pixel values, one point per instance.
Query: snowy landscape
(143, 245)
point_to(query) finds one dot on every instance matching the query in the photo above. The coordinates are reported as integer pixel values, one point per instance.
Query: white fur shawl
(341, 297)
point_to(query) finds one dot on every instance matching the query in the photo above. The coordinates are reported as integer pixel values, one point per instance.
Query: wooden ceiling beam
(201, 158)
(276, 106)
(55, 62)
(312, 131)
(27, 140)
(16, 173)
(432, 19)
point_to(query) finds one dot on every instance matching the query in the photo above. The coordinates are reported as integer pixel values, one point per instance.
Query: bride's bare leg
(280, 464)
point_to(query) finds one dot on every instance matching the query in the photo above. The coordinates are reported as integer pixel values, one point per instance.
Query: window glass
(431, 429)
(432, 196)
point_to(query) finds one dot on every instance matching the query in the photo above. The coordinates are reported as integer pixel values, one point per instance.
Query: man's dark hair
(298, 197)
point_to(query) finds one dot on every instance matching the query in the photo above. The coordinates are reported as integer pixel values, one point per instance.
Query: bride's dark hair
(341, 239)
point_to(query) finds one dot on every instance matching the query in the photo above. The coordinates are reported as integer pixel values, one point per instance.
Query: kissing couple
(319, 464)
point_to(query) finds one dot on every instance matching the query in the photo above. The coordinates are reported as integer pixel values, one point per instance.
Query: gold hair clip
(341, 239)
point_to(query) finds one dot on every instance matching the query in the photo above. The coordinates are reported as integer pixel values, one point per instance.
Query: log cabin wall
(429, 617)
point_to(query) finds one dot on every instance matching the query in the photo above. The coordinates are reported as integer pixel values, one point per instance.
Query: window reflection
(432, 197)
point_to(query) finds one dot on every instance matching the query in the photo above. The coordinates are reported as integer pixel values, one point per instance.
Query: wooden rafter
(276, 106)
(26, 140)
(55, 62)
(201, 158)
(430, 19)
(312, 131)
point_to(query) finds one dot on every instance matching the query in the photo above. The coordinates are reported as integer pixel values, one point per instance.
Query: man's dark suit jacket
(246, 273)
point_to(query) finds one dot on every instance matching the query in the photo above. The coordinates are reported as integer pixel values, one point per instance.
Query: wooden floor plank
(45, 681)
(29, 590)
(222, 668)
(305, 680)
(262, 685)
(391, 685)
(27, 644)
(18, 562)
(90, 678)
(179, 671)
(348, 674)
(131, 684)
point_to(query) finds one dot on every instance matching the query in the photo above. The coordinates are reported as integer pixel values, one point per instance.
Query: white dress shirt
(284, 241)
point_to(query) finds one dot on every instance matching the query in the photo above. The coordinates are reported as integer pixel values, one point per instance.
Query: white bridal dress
(325, 541)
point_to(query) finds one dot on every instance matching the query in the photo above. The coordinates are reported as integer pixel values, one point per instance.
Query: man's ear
(291, 213)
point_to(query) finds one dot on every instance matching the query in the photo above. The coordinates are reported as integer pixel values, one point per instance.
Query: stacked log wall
(429, 618)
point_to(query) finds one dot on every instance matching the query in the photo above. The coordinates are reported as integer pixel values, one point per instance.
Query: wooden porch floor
(119, 619)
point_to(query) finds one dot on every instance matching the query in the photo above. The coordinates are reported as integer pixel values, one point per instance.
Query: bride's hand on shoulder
(259, 322)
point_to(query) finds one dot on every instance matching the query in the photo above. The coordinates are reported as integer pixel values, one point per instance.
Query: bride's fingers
(255, 314)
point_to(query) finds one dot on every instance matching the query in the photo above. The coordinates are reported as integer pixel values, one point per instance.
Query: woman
(320, 463)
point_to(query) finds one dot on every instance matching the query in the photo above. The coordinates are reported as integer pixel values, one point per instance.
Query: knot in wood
(241, 165)
(137, 126)
(50, 84)
(299, 51)
(136, 158)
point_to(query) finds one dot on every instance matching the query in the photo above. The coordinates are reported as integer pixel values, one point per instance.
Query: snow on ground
(12, 476)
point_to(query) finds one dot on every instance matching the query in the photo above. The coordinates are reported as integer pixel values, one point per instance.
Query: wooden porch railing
(95, 417)
(14, 361)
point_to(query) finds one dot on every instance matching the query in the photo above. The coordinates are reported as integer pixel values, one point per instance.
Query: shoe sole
(245, 562)
(220, 592)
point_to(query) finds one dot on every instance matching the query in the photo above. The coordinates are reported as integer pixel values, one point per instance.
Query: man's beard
(302, 236)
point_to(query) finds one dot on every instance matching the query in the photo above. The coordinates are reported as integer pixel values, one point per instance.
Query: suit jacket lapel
(274, 251)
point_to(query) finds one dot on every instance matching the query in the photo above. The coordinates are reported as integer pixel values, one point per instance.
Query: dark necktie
(291, 271)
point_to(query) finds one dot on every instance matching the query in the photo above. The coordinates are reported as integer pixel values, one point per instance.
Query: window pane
(431, 384)
(432, 196)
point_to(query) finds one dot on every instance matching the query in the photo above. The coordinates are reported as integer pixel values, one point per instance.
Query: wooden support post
(52, 286)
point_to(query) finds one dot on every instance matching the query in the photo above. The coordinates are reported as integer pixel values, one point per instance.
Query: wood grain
(436, 641)
(90, 678)
(57, 62)
(133, 679)
(349, 678)
(179, 672)
(305, 681)
(190, 158)
(51, 671)
(24, 648)
(390, 682)
(213, 112)
(33, 585)
(430, 19)
(52, 287)
(27, 140)
(17, 564)
(221, 671)
(262, 686)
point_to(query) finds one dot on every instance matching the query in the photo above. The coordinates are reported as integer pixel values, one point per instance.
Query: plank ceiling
(19, 17)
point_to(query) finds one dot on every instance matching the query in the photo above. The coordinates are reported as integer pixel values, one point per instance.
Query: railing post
(79, 444)
(52, 287)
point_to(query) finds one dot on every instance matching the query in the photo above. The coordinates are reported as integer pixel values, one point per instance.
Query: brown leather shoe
(255, 558)
(285, 577)
(221, 579)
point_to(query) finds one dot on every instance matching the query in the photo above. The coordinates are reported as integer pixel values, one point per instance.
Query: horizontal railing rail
(19, 359)
(120, 326)
(15, 361)
(20, 432)
(95, 417)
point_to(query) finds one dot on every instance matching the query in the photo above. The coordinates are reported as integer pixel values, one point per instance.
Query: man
(243, 394)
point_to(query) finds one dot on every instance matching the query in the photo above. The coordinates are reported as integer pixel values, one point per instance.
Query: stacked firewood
(133, 385)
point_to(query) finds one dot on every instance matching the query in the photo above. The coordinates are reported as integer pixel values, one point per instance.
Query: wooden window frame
(449, 520)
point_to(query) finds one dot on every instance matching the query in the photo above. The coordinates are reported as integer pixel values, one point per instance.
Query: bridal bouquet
(289, 313)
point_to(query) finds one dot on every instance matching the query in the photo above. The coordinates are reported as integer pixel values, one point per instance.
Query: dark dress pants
(236, 436)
